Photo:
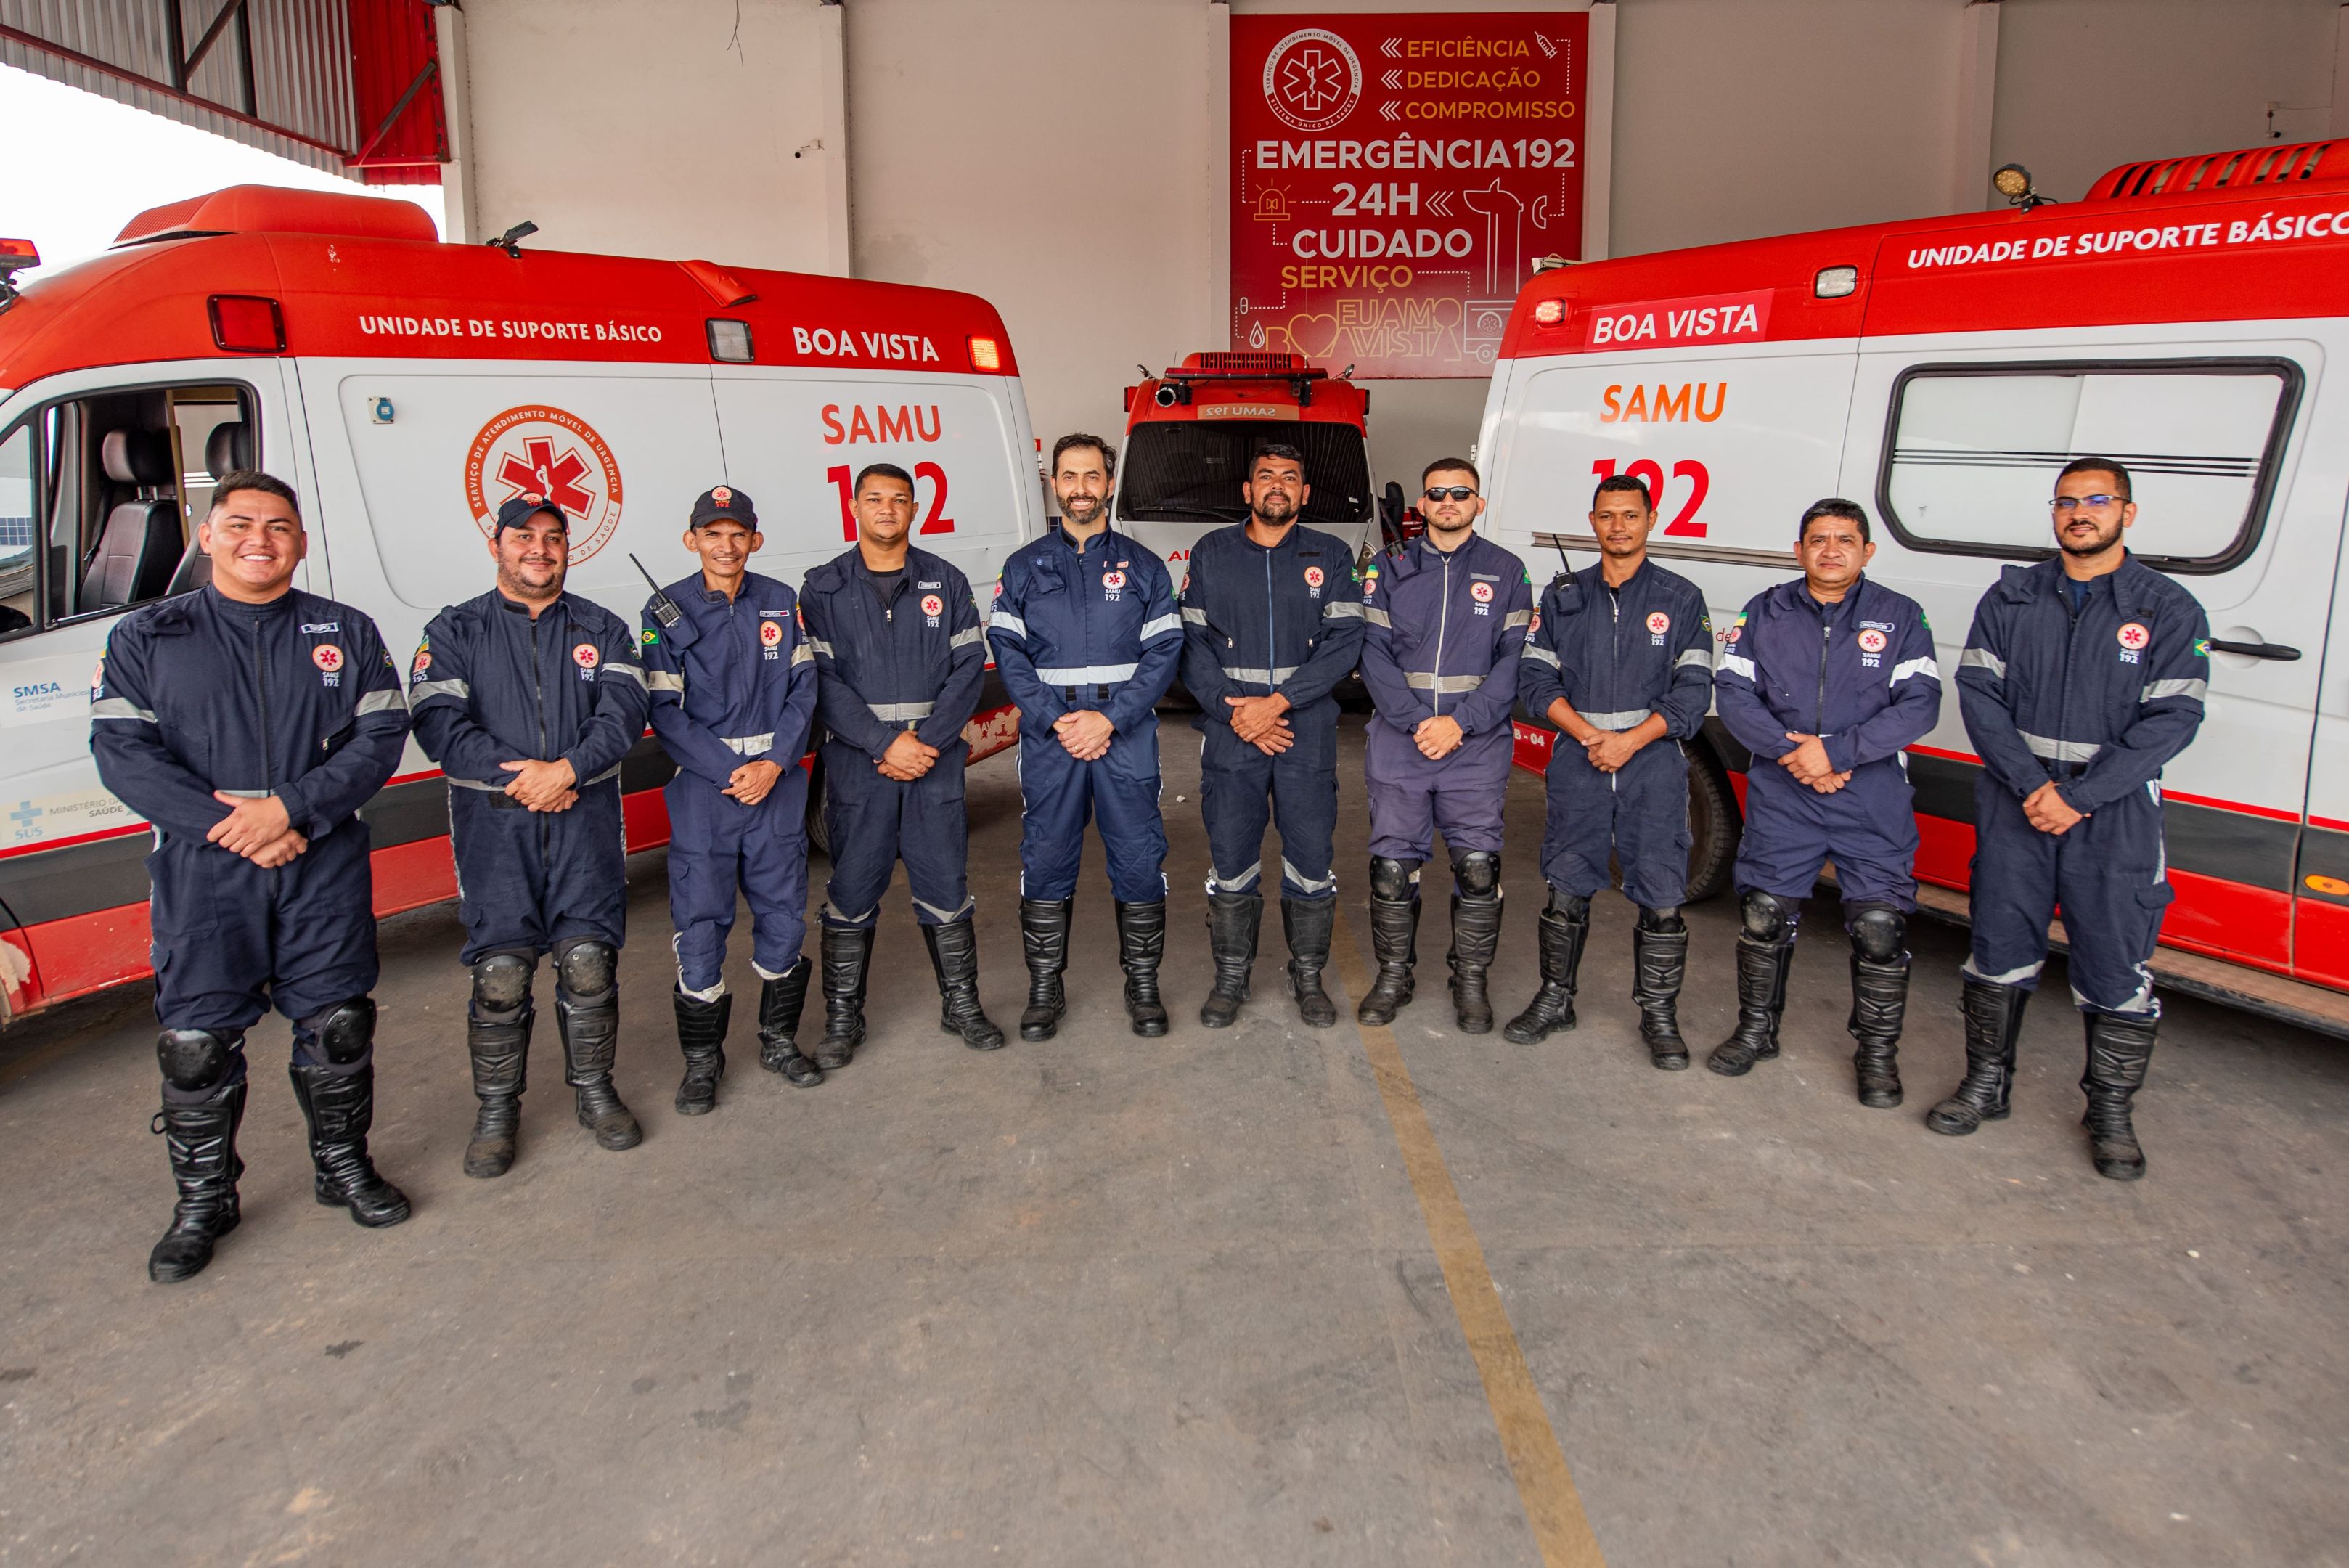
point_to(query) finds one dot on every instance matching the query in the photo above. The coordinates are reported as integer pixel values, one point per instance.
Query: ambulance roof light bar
(15, 256)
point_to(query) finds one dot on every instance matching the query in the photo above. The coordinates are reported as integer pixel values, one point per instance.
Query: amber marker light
(985, 354)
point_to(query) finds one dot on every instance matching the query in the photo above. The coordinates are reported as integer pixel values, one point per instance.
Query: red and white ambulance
(1191, 429)
(406, 387)
(2182, 317)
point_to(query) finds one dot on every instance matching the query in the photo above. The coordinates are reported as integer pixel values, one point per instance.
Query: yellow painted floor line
(1553, 1506)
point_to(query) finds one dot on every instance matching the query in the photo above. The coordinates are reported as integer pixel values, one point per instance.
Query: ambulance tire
(1714, 824)
(819, 840)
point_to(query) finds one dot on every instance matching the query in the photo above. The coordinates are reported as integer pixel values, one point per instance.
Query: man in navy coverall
(249, 722)
(1621, 664)
(1826, 680)
(1444, 617)
(528, 697)
(733, 698)
(2082, 677)
(1086, 636)
(1272, 621)
(900, 658)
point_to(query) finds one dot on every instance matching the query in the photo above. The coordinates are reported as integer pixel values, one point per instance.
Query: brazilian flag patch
(2201, 648)
(650, 637)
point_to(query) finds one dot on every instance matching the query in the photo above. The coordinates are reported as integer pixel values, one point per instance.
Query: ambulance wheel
(819, 842)
(1714, 825)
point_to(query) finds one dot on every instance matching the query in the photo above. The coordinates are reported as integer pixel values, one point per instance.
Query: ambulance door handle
(2255, 649)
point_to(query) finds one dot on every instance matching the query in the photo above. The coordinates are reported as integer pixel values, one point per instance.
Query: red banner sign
(1395, 179)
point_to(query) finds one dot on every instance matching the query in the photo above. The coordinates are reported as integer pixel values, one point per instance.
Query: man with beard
(1827, 680)
(2082, 677)
(900, 658)
(733, 698)
(1086, 636)
(1622, 663)
(1444, 618)
(528, 697)
(248, 721)
(1272, 621)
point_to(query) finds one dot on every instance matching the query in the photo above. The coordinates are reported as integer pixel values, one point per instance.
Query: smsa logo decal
(540, 450)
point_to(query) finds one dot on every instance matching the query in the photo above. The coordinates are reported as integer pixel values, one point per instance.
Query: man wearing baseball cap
(733, 698)
(528, 697)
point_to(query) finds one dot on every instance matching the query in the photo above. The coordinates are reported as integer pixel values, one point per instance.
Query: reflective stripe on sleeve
(1516, 617)
(120, 708)
(665, 681)
(820, 647)
(1909, 667)
(1735, 664)
(635, 672)
(423, 692)
(1982, 659)
(750, 745)
(384, 702)
(1696, 656)
(1004, 620)
(802, 654)
(1338, 610)
(1193, 617)
(965, 638)
(1535, 650)
(2197, 690)
(1377, 616)
(1164, 624)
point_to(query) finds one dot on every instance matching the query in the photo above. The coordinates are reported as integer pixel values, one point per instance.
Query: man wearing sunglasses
(1444, 618)
(2082, 677)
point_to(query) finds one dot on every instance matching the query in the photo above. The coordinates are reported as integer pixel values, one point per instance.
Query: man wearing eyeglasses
(1444, 618)
(2082, 677)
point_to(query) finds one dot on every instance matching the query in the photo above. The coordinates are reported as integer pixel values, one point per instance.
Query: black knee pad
(1392, 879)
(195, 1060)
(587, 968)
(1662, 919)
(1879, 933)
(343, 1034)
(1768, 918)
(501, 982)
(1477, 874)
(1573, 908)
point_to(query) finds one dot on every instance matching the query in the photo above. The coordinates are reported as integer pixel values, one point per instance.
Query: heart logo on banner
(1315, 336)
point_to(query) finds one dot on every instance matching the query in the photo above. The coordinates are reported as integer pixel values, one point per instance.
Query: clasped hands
(1809, 762)
(2046, 810)
(1262, 722)
(906, 759)
(260, 830)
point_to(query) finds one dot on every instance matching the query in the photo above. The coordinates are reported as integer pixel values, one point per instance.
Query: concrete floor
(1106, 1301)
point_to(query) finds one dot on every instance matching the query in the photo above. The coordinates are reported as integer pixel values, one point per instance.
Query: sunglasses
(1450, 493)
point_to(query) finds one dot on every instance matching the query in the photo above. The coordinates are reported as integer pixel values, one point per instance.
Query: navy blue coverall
(1257, 621)
(1442, 635)
(917, 664)
(493, 684)
(733, 682)
(1090, 627)
(2097, 701)
(298, 699)
(1619, 656)
(1859, 674)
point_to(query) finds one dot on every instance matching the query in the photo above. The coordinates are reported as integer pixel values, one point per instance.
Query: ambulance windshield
(1192, 469)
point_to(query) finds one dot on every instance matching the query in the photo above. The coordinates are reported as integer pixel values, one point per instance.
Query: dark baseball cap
(724, 504)
(520, 509)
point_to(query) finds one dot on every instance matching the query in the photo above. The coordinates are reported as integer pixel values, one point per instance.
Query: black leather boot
(1394, 942)
(587, 1017)
(1476, 936)
(1140, 943)
(1560, 936)
(1308, 923)
(780, 1003)
(202, 1142)
(1993, 1016)
(1761, 1001)
(1659, 947)
(496, 1038)
(847, 953)
(1879, 1000)
(339, 1105)
(1233, 921)
(954, 953)
(1044, 932)
(701, 1037)
(2119, 1050)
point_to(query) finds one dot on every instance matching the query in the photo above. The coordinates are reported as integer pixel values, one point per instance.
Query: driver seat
(139, 544)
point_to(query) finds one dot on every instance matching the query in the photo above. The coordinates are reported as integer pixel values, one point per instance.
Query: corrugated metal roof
(277, 74)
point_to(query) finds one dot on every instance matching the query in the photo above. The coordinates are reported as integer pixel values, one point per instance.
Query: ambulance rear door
(795, 439)
(1955, 443)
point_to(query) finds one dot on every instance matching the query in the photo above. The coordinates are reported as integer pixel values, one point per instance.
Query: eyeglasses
(2074, 503)
(1450, 493)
